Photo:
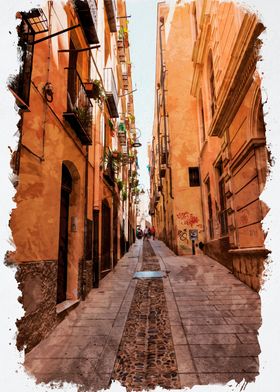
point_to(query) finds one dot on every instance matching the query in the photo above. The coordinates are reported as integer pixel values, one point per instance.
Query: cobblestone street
(198, 325)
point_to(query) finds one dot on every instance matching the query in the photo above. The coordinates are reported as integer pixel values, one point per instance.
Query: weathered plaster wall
(182, 126)
(37, 281)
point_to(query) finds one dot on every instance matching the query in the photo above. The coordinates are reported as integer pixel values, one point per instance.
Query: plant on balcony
(131, 118)
(121, 128)
(135, 191)
(119, 184)
(117, 155)
(84, 115)
(111, 125)
(98, 92)
(124, 195)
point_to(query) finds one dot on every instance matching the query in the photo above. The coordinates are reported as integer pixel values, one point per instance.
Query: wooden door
(106, 239)
(66, 188)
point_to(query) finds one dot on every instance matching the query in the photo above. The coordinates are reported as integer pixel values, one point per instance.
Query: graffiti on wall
(186, 221)
(183, 234)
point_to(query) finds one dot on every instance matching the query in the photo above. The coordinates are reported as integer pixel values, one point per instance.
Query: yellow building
(174, 156)
(233, 155)
(71, 222)
(215, 134)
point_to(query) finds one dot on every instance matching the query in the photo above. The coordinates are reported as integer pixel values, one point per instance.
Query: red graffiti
(187, 218)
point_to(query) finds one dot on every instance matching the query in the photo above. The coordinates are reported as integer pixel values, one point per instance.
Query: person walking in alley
(146, 232)
(153, 232)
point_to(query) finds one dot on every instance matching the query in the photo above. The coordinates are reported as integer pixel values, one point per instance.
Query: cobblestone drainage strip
(149, 274)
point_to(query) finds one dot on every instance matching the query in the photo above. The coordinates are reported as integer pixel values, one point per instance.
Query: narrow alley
(195, 325)
(137, 173)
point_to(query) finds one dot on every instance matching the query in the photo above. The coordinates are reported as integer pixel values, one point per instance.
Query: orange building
(228, 143)
(174, 151)
(73, 216)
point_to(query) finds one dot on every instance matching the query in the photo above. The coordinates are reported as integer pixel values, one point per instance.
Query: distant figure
(153, 232)
(146, 232)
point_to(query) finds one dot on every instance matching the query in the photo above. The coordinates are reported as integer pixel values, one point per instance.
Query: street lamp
(136, 143)
(137, 132)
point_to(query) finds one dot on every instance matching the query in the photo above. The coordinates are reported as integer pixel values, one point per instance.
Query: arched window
(211, 83)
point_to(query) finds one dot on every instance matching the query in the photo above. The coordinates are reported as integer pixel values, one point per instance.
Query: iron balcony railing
(111, 92)
(87, 13)
(111, 10)
(110, 166)
(79, 107)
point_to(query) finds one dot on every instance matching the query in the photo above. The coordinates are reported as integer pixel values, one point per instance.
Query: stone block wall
(218, 250)
(249, 269)
(37, 282)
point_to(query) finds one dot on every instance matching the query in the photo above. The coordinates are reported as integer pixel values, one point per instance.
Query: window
(223, 208)
(210, 212)
(211, 83)
(194, 178)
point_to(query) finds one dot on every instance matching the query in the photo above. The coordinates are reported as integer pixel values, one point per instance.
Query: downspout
(85, 229)
(159, 151)
(163, 72)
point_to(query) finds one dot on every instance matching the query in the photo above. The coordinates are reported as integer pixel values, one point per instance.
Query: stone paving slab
(82, 349)
(216, 323)
(213, 317)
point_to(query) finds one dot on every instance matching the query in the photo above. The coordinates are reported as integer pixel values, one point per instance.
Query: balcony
(124, 76)
(121, 50)
(79, 107)
(162, 170)
(111, 10)
(122, 134)
(110, 167)
(87, 14)
(112, 98)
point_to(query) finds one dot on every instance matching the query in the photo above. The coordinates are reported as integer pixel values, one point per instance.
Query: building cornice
(198, 53)
(238, 76)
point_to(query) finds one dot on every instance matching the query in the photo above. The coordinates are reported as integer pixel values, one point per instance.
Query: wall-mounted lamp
(48, 91)
(136, 144)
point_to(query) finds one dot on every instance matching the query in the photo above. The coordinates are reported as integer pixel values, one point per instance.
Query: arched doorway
(66, 188)
(106, 239)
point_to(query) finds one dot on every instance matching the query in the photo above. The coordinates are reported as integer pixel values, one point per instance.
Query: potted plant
(121, 128)
(84, 115)
(124, 195)
(111, 125)
(117, 155)
(97, 91)
(131, 118)
(119, 184)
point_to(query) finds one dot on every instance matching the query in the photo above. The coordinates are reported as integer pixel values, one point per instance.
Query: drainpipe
(83, 294)
(163, 72)
(159, 151)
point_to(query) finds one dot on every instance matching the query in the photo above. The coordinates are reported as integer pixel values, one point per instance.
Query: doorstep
(66, 306)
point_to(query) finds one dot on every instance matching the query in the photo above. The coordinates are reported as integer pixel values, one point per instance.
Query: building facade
(175, 191)
(75, 214)
(231, 152)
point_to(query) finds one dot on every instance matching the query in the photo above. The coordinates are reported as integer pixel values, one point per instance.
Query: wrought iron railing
(111, 92)
(79, 107)
(87, 12)
(111, 9)
(110, 84)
